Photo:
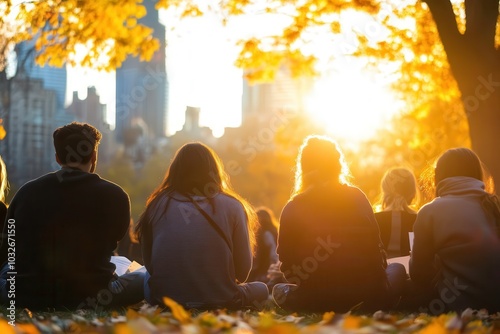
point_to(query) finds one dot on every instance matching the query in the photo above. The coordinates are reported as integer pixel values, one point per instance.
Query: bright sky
(200, 73)
(352, 103)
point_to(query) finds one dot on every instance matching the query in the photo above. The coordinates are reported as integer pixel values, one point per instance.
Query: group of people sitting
(202, 245)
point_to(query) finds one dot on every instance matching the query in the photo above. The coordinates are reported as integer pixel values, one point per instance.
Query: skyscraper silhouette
(53, 78)
(36, 96)
(141, 88)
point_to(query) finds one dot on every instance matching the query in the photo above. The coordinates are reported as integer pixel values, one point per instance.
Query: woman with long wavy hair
(197, 236)
(328, 240)
(455, 260)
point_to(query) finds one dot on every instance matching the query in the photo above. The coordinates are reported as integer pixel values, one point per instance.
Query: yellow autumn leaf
(131, 22)
(131, 314)
(328, 316)
(280, 328)
(123, 329)
(4, 325)
(266, 320)
(352, 322)
(3, 133)
(434, 328)
(179, 313)
(27, 329)
(207, 319)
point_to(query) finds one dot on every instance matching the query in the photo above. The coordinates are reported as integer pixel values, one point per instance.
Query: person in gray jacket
(456, 250)
(197, 237)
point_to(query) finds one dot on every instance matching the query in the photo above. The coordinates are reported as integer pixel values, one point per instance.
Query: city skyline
(199, 59)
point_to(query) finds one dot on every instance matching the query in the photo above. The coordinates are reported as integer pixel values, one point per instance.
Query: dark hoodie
(67, 225)
(329, 245)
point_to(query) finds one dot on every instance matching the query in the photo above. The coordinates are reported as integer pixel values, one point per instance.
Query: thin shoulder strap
(212, 222)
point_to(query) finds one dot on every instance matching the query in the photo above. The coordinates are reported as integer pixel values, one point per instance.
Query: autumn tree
(472, 50)
(434, 118)
(445, 51)
(444, 48)
(449, 59)
(106, 31)
(465, 31)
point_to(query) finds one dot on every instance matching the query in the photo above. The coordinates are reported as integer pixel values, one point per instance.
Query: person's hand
(274, 273)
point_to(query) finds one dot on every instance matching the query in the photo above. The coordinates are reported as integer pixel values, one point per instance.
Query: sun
(352, 105)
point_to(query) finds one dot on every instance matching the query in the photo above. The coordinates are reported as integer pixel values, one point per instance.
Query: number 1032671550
(11, 242)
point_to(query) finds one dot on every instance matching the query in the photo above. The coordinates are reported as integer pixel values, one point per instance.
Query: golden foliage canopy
(108, 30)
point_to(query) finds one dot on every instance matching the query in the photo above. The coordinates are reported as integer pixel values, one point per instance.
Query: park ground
(146, 319)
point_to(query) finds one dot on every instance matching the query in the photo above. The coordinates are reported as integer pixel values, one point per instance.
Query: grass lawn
(146, 319)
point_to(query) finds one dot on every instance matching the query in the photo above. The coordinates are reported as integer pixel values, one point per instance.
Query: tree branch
(481, 21)
(444, 17)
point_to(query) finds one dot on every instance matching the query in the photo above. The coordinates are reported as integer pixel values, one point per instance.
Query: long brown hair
(319, 161)
(196, 170)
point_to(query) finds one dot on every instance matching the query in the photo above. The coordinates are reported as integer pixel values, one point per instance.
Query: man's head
(76, 145)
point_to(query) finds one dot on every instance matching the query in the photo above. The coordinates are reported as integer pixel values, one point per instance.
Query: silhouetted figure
(328, 240)
(456, 250)
(395, 221)
(66, 226)
(265, 253)
(197, 236)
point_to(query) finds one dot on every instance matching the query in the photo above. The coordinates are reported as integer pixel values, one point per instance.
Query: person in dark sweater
(328, 240)
(61, 230)
(399, 191)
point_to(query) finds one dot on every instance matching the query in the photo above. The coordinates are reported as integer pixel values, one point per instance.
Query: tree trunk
(475, 64)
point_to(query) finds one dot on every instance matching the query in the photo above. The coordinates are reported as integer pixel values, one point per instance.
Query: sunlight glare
(351, 106)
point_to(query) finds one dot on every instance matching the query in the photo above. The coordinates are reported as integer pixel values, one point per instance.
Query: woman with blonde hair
(197, 236)
(328, 240)
(4, 186)
(455, 260)
(399, 193)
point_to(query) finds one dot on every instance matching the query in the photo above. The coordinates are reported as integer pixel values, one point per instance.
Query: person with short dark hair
(455, 260)
(65, 226)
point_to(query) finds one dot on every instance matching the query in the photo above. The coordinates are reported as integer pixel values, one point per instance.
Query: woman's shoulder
(338, 191)
(437, 206)
(354, 194)
(439, 202)
(227, 200)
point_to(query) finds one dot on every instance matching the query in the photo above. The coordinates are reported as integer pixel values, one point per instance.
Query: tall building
(92, 111)
(35, 107)
(285, 93)
(53, 78)
(192, 130)
(141, 87)
(28, 151)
